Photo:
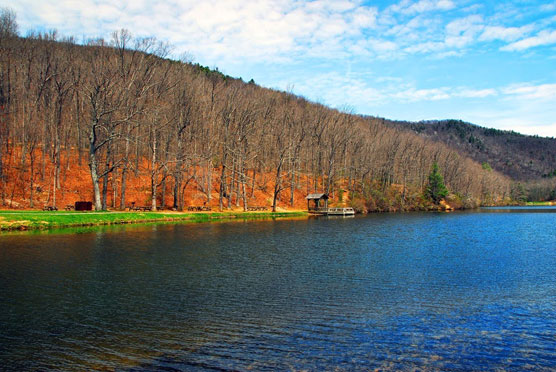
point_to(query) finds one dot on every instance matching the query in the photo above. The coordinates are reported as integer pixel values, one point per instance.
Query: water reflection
(427, 291)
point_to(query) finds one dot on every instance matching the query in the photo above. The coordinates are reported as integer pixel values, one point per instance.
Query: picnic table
(256, 208)
(141, 208)
(49, 208)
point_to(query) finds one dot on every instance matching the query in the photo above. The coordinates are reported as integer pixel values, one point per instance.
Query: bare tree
(8, 23)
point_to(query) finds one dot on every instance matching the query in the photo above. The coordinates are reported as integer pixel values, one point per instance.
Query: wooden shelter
(316, 206)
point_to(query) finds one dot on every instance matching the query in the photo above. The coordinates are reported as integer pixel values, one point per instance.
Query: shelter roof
(317, 196)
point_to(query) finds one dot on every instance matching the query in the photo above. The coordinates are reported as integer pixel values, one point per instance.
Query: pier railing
(337, 211)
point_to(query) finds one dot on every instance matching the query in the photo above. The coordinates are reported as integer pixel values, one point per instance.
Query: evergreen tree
(518, 193)
(436, 190)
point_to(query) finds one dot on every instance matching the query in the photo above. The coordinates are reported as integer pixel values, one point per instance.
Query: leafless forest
(122, 107)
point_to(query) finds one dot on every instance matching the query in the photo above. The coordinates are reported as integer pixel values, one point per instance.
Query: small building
(319, 202)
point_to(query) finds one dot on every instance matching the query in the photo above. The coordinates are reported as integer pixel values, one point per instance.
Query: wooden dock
(333, 211)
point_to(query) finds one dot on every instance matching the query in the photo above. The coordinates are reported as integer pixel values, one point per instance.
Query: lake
(450, 291)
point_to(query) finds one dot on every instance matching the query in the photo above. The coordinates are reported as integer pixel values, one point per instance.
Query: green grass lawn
(24, 220)
(539, 203)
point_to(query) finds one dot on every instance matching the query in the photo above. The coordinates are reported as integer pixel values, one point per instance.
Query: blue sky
(488, 62)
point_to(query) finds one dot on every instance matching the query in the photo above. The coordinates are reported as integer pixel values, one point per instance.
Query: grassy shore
(541, 203)
(29, 220)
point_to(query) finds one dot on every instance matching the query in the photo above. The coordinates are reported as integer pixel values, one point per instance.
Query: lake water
(449, 291)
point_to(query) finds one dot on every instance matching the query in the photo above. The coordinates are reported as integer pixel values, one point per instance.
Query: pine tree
(436, 190)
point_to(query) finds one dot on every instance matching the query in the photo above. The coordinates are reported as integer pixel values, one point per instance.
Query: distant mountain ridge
(520, 157)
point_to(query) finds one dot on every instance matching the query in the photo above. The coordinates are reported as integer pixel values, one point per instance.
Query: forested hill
(520, 157)
(117, 122)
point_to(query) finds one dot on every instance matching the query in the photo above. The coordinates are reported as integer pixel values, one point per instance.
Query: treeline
(123, 108)
(529, 160)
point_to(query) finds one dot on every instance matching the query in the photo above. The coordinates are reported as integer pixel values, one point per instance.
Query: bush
(358, 205)
(455, 201)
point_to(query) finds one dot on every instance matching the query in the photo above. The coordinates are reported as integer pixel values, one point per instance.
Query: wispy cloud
(548, 7)
(491, 33)
(421, 6)
(340, 89)
(224, 29)
(357, 90)
(544, 92)
(544, 37)
(272, 30)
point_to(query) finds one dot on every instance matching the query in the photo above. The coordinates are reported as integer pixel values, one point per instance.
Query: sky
(492, 63)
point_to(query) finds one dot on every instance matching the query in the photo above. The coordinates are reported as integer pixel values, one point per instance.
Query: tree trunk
(78, 127)
(231, 187)
(209, 181)
(222, 193)
(114, 189)
(94, 179)
(176, 190)
(93, 166)
(163, 190)
(253, 183)
(243, 193)
(104, 191)
(123, 188)
(153, 191)
(154, 174)
(54, 191)
(105, 179)
(292, 185)
(275, 197)
(124, 171)
(277, 184)
(31, 202)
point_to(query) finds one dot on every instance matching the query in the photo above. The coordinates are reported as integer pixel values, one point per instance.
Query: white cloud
(476, 93)
(427, 47)
(421, 6)
(414, 29)
(356, 90)
(338, 90)
(525, 91)
(365, 18)
(373, 47)
(414, 95)
(545, 37)
(463, 31)
(220, 31)
(491, 33)
(456, 35)
(548, 7)
(215, 30)
(544, 92)
(429, 5)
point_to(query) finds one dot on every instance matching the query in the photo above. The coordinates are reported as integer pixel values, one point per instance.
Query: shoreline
(543, 203)
(38, 220)
(46, 220)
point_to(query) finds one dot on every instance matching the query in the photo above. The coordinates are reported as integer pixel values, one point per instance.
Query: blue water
(428, 291)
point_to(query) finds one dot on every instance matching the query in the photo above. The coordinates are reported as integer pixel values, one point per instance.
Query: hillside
(520, 157)
(117, 122)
